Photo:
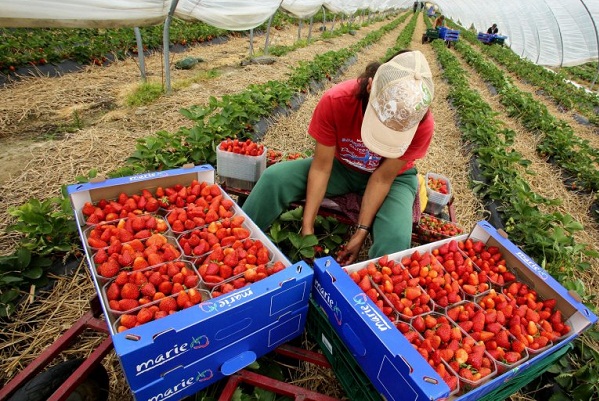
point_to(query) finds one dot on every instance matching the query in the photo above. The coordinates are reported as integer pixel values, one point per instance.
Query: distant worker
(439, 22)
(415, 7)
(431, 12)
(493, 29)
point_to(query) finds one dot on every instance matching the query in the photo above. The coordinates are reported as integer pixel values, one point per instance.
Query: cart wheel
(94, 388)
(423, 38)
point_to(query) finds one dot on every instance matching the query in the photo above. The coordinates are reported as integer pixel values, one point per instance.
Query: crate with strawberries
(175, 262)
(495, 314)
(438, 191)
(431, 228)
(240, 163)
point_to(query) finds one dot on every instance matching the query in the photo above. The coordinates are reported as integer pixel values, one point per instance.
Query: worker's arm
(376, 191)
(318, 179)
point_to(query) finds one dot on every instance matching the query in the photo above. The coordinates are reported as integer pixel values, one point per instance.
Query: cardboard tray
(393, 366)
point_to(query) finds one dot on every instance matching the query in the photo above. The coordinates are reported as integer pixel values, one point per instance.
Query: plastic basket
(351, 377)
(436, 200)
(238, 167)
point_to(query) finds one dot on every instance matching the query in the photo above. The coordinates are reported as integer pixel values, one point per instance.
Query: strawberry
(168, 304)
(418, 324)
(183, 300)
(475, 359)
(113, 291)
(110, 268)
(148, 289)
(144, 316)
(444, 331)
(129, 291)
(128, 304)
(128, 321)
(502, 339)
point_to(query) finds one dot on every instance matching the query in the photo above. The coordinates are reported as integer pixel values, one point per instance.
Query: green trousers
(284, 183)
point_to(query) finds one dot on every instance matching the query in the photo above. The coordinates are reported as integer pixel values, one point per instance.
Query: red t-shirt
(337, 121)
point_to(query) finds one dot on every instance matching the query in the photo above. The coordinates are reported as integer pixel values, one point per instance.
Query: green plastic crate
(353, 380)
(357, 385)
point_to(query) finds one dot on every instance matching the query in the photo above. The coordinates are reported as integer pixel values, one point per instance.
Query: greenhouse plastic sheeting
(302, 8)
(82, 13)
(233, 15)
(546, 32)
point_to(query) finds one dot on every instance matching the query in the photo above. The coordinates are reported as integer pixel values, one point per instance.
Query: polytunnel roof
(547, 32)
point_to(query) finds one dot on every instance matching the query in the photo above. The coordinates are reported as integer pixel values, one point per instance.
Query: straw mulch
(33, 167)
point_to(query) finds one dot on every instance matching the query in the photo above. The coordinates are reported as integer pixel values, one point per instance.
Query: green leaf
(585, 391)
(565, 380)
(34, 272)
(9, 295)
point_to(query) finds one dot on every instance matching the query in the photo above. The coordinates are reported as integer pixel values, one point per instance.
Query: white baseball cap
(402, 91)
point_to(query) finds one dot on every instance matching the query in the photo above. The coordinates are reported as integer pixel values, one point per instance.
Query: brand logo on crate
(147, 176)
(326, 296)
(182, 385)
(178, 350)
(380, 322)
(533, 265)
(226, 300)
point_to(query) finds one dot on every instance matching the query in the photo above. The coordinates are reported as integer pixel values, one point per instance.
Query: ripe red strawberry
(130, 291)
(113, 291)
(128, 321)
(100, 256)
(502, 339)
(444, 331)
(144, 316)
(148, 290)
(110, 268)
(128, 304)
(475, 359)
(168, 304)
(183, 300)
(195, 297)
(122, 278)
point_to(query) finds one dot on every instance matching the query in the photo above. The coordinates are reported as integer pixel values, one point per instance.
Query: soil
(54, 129)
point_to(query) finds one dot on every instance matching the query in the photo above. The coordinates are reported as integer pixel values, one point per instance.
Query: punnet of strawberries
(247, 147)
(124, 230)
(438, 184)
(431, 228)
(466, 328)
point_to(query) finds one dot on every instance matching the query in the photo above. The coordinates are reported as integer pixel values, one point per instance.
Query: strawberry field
(519, 145)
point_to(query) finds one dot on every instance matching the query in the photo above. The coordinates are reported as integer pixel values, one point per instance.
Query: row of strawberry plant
(47, 227)
(558, 141)
(545, 237)
(585, 73)
(553, 84)
(39, 46)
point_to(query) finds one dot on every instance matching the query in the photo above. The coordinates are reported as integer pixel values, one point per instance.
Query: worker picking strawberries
(369, 132)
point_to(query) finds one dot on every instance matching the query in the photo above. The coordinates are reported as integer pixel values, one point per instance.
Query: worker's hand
(349, 253)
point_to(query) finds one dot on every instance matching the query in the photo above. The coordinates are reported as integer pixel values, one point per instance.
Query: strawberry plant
(285, 232)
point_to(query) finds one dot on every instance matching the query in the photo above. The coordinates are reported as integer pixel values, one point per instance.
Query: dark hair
(368, 73)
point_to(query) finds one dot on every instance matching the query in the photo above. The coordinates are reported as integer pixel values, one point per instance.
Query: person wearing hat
(369, 132)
